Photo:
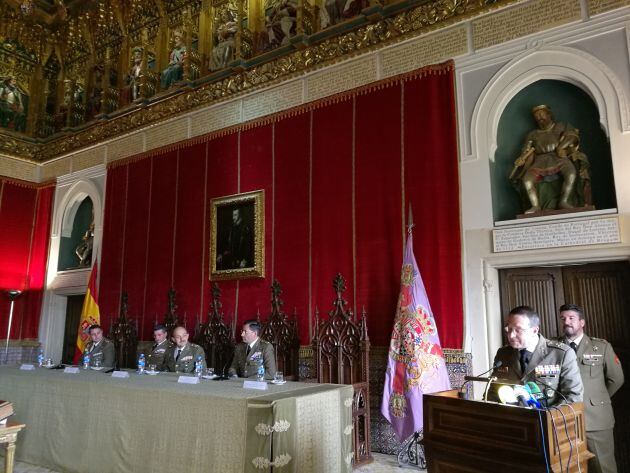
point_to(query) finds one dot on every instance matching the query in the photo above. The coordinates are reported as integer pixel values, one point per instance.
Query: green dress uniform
(552, 367)
(602, 376)
(185, 362)
(156, 356)
(245, 365)
(102, 351)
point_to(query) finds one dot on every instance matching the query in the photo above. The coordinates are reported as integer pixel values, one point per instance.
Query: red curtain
(25, 218)
(338, 180)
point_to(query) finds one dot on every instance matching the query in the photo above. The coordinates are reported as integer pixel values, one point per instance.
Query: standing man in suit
(249, 353)
(161, 345)
(602, 376)
(531, 357)
(100, 348)
(181, 357)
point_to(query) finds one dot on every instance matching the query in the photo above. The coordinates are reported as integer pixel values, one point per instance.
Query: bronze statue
(84, 250)
(552, 152)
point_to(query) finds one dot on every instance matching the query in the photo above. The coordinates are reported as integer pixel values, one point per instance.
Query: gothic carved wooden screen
(283, 335)
(171, 319)
(341, 347)
(125, 337)
(216, 337)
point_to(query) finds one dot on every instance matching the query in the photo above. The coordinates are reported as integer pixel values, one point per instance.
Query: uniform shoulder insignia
(557, 344)
(600, 340)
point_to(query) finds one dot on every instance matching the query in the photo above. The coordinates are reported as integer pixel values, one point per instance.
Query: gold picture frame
(237, 243)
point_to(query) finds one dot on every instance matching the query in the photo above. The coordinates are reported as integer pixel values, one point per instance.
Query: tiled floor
(382, 464)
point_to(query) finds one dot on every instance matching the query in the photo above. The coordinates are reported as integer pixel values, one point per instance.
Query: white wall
(593, 55)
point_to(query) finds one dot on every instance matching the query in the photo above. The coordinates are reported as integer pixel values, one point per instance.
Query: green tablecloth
(92, 423)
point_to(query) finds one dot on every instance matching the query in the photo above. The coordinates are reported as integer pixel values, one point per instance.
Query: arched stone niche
(578, 73)
(569, 104)
(71, 218)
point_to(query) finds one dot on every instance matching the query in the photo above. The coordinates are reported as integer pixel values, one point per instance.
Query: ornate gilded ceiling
(73, 73)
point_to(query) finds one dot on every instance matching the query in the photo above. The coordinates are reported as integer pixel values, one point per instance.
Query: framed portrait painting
(237, 236)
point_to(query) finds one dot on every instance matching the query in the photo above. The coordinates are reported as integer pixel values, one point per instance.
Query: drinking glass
(278, 377)
(48, 362)
(210, 372)
(97, 363)
(152, 368)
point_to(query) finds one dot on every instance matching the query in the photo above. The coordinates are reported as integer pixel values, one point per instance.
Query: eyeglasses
(517, 330)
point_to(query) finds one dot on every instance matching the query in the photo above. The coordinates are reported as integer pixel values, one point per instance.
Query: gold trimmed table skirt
(91, 422)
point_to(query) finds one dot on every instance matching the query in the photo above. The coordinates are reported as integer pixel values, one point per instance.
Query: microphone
(542, 396)
(507, 395)
(525, 398)
(467, 379)
(534, 396)
(480, 377)
(224, 376)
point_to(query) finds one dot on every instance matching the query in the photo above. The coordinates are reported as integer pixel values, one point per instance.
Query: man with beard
(602, 376)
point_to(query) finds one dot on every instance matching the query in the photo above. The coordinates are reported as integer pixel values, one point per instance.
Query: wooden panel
(540, 288)
(603, 289)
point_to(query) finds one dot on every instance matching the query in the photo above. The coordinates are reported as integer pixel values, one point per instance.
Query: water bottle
(86, 360)
(198, 366)
(261, 371)
(40, 358)
(141, 363)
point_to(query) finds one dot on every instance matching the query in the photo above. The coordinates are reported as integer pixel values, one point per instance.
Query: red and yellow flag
(90, 314)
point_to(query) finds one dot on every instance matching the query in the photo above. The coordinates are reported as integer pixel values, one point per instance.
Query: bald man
(181, 357)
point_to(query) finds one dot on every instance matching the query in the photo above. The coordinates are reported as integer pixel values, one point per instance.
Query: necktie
(574, 346)
(248, 349)
(179, 352)
(524, 359)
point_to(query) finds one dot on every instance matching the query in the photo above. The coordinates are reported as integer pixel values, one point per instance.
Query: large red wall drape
(338, 178)
(25, 219)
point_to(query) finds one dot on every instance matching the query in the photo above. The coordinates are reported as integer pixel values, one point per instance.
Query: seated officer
(100, 349)
(161, 345)
(181, 357)
(248, 354)
(529, 356)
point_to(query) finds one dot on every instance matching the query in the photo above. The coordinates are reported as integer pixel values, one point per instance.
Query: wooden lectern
(482, 437)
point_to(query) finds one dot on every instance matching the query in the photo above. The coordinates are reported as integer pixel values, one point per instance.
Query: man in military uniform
(602, 376)
(531, 357)
(248, 354)
(161, 345)
(100, 349)
(181, 357)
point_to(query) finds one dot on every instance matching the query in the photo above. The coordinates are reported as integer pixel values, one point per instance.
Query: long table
(92, 422)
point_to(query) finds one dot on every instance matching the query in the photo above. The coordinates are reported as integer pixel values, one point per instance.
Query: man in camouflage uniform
(531, 357)
(602, 376)
(100, 349)
(181, 357)
(161, 345)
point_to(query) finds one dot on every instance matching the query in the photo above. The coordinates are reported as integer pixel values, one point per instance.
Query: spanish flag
(90, 314)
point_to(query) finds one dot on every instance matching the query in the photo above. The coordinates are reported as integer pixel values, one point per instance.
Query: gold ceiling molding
(419, 20)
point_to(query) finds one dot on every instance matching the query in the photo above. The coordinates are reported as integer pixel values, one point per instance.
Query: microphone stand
(491, 380)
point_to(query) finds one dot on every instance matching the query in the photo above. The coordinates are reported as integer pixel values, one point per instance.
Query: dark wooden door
(73, 316)
(603, 290)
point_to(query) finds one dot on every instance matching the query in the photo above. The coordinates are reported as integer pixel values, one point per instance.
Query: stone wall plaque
(426, 50)
(595, 7)
(524, 20)
(556, 235)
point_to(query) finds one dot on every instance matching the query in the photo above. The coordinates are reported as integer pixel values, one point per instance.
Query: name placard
(120, 374)
(260, 385)
(26, 367)
(188, 380)
(71, 369)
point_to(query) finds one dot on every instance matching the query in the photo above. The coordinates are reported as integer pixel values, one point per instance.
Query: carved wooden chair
(283, 335)
(125, 337)
(171, 319)
(341, 348)
(216, 337)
